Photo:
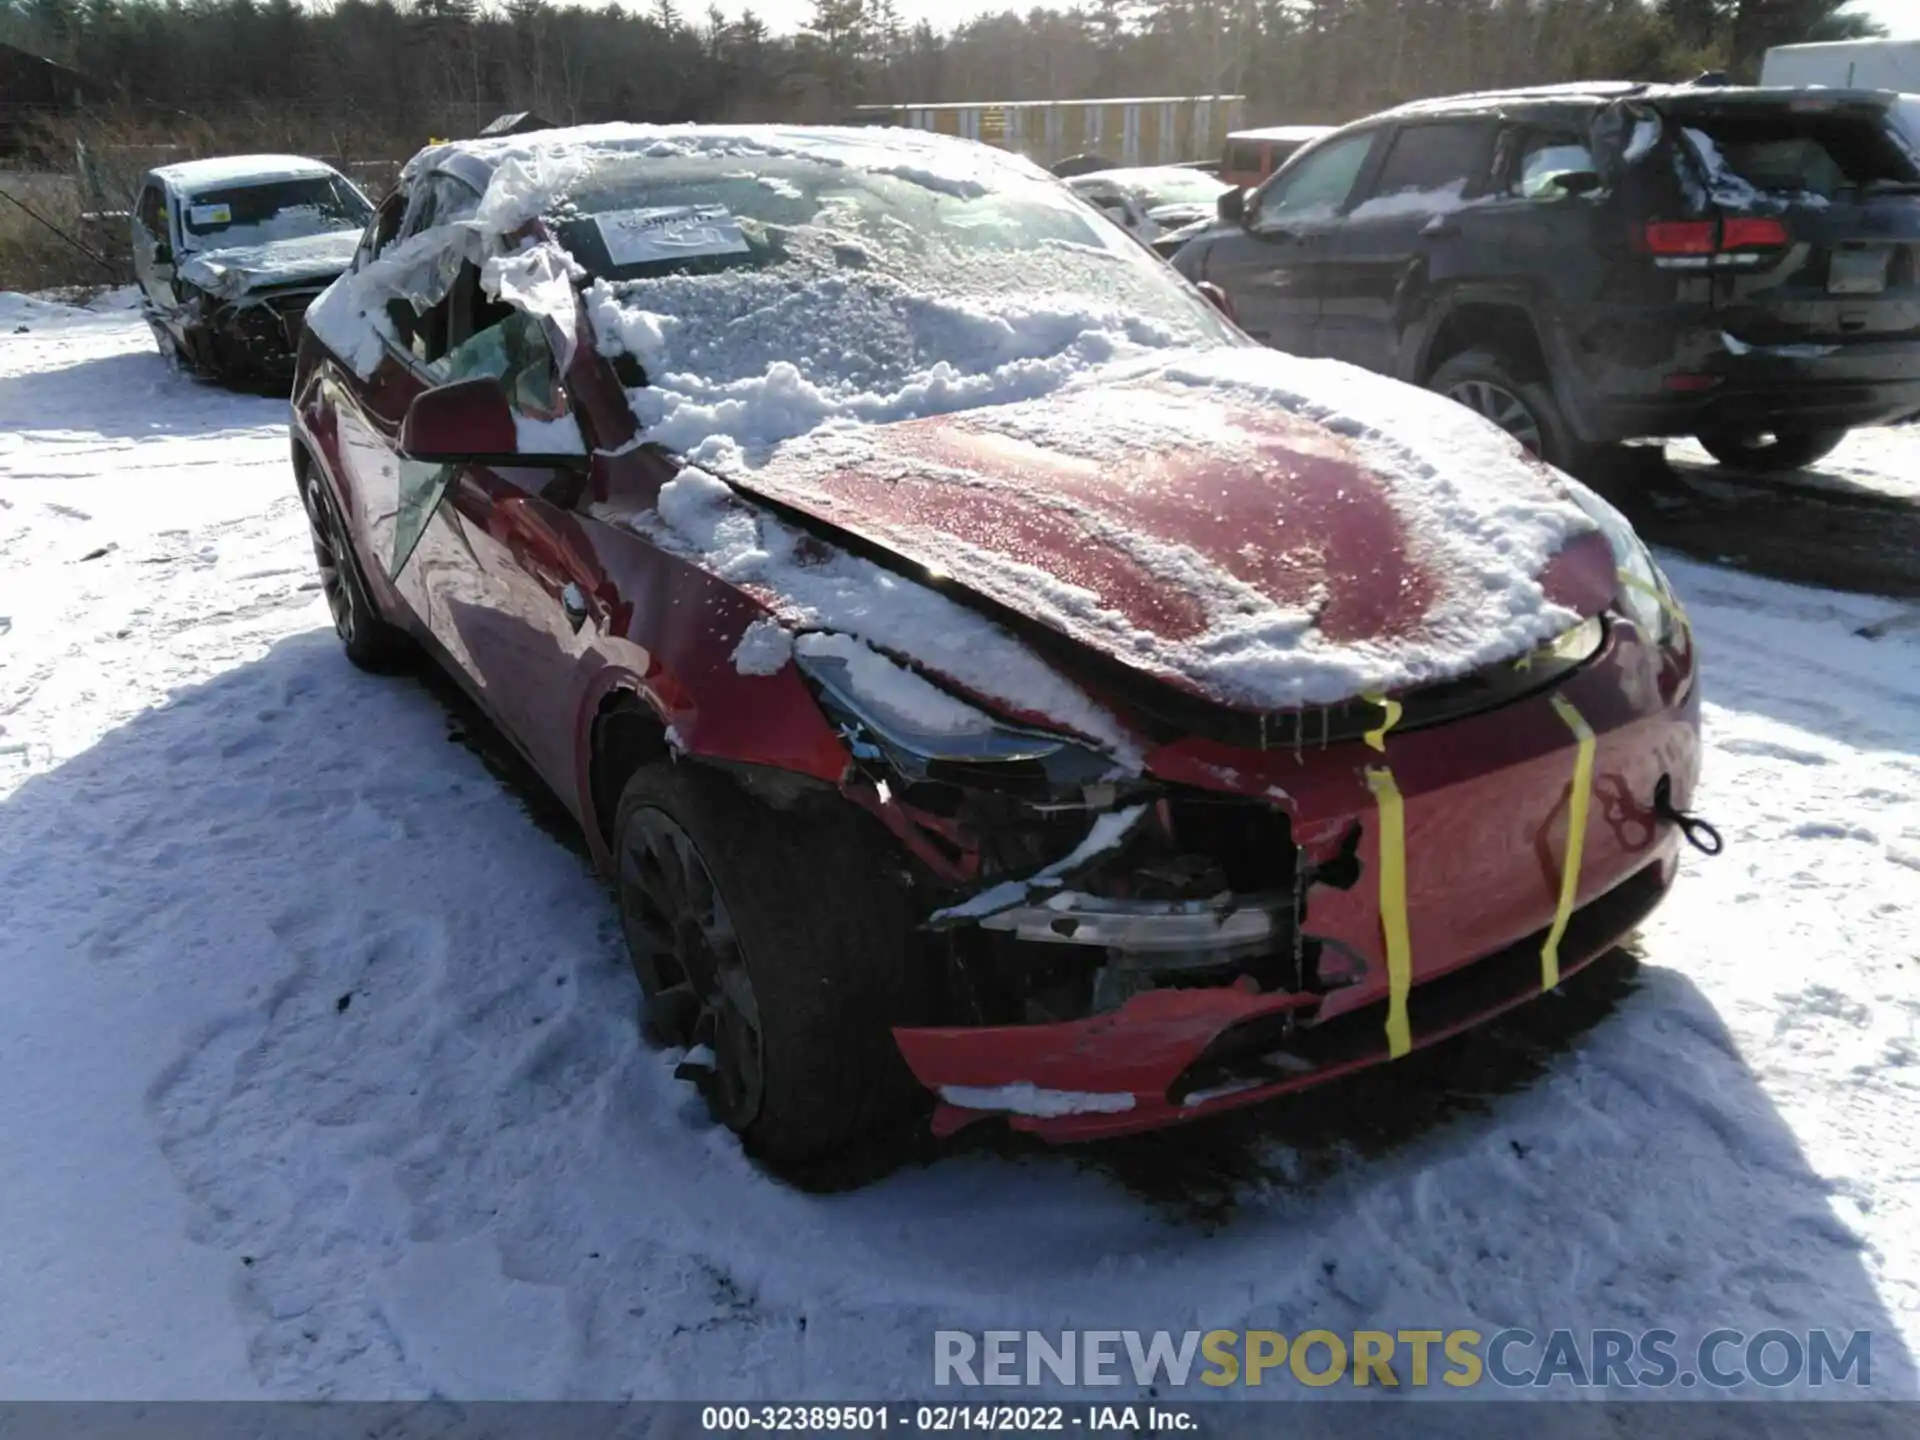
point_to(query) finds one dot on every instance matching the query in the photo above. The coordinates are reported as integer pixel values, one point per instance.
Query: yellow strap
(1654, 593)
(1378, 738)
(1393, 907)
(1577, 803)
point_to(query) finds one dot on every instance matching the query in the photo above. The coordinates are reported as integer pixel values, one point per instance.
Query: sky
(1901, 17)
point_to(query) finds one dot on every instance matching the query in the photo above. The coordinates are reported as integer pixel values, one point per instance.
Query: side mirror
(1577, 182)
(162, 253)
(470, 422)
(1232, 206)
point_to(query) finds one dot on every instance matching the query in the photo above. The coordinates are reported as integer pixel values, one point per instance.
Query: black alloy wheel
(688, 954)
(370, 642)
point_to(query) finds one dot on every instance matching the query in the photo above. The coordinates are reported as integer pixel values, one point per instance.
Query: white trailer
(1846, 65)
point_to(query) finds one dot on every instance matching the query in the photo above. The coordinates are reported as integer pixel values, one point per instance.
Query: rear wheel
(1770, 452)
(1488, 384)
(370, 642)
(777, 947)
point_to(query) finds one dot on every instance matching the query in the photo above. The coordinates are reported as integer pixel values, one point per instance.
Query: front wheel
(1488, 384)
(1770, 452)
(777, 946)
(370, 642)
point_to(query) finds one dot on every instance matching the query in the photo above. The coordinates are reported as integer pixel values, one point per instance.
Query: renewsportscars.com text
(1509, 1359)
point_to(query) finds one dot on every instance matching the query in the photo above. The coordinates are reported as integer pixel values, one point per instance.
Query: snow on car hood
(233, 273)
(1263, 531)
(1031, 405)
(1266, 531)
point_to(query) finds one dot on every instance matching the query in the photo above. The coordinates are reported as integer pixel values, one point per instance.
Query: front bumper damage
(1127, 992)
(254, 337)
(1167, 1056)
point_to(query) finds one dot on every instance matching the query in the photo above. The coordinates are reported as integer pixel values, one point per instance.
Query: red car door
(510, 589)
(367, 412)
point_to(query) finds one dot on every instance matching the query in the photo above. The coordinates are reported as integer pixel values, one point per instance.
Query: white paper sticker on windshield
(670, 232)
(210, 215)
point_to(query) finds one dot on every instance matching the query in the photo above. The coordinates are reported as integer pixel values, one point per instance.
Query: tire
(1770, 453)
(1487, 383)
(802, 906)
(369, 640)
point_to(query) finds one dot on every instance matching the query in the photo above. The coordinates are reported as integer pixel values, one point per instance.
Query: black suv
(1587, 264)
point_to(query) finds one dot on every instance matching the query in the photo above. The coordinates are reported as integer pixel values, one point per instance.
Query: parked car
(1077, 165)
(1250, 156)
(1593, 263)
(1031, 693)
(1157, 203)
(229, 252)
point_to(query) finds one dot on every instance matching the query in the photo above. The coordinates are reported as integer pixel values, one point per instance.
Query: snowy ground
(318, 1073)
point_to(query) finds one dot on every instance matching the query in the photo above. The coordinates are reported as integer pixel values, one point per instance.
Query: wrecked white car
(229, 253)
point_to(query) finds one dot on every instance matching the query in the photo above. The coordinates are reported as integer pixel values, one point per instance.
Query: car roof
(239, 170)
(1601, 92)
(1283, 133)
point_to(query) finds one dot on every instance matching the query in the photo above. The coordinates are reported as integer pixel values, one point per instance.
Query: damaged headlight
(1644, 596)
(887, 712)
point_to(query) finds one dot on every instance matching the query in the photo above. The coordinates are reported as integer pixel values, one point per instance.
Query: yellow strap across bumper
(1578, 800)
(1393, 907)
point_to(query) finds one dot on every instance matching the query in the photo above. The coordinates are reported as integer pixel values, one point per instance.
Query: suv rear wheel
(1487, 383)
(1769, 451)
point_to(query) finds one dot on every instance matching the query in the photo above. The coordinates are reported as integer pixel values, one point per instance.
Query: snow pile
(700, 517)
(1443, 201)
(764, 648)
(1027, 1098)
(738, 363)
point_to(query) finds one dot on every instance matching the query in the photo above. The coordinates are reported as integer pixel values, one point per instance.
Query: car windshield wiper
(1888, 187)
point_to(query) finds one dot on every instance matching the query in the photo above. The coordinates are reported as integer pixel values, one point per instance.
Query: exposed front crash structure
(254, 338)
(1248, 922)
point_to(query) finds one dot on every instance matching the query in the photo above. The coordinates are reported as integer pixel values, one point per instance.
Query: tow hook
(1697, 832)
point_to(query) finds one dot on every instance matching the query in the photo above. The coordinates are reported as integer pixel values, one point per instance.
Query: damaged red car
(987, 678)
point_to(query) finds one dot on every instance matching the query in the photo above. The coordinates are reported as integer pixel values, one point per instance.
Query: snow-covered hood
(233, 273)
(1259, 530)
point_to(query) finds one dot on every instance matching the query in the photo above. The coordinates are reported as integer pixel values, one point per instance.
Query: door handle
(574, 601)
(1440, 228)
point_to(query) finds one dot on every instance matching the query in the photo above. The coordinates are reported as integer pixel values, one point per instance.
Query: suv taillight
(1698, 244)
(1681, 237)
(1739, 232)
